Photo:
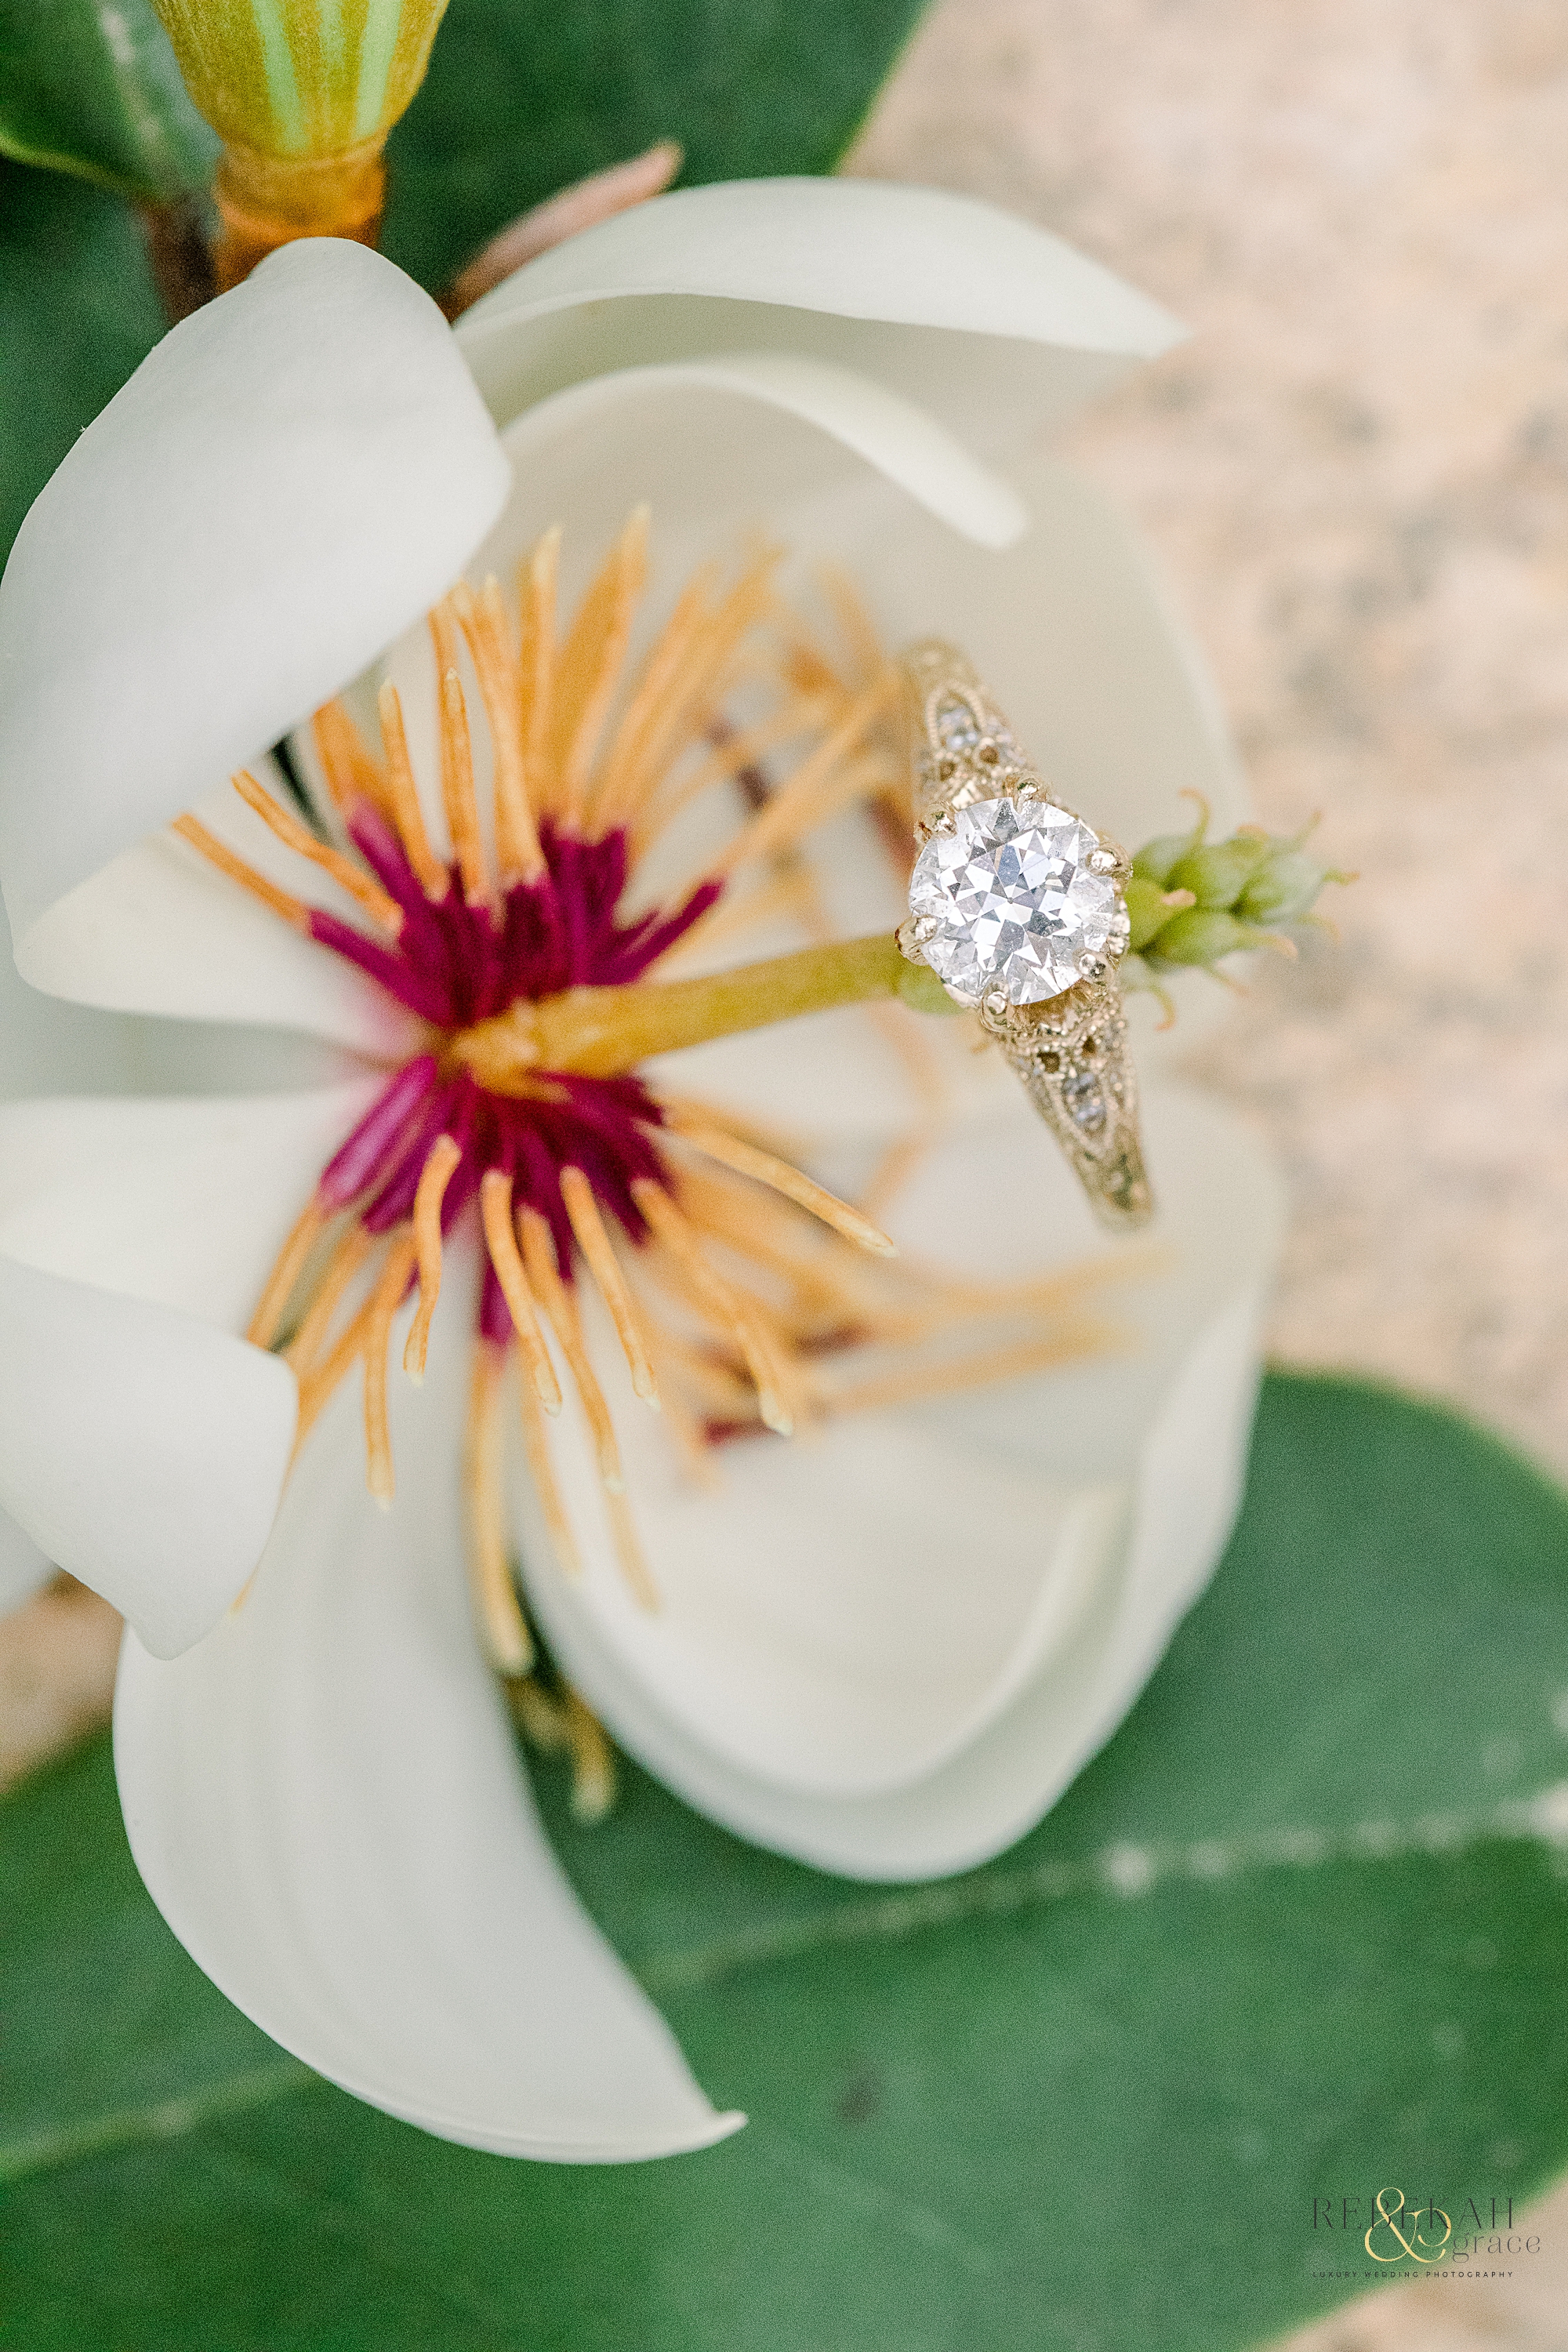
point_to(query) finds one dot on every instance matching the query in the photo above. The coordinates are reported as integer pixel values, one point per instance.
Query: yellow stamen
(628, 1549)
(541, 1718)
(391, 1283)
(538, 1257)
(625, 781)
(284, 1274)
(484, 622)
(595, 1244)
(854, 624)
(218, 852)
(319, 1384)
(495, 1214)
(439, 1168)
(779, 1176)
(352, 773)
(730, 761)
(536, 667)
(403, 799)
(734, 1313)
(670, 1356)
(458, 761)
(591, 663)
(592, 1761)
(495, 1605)
(691, 692)
(542, 1469)
(816, 787)
(301, 839)
(1071, 1343)
(349, 1254)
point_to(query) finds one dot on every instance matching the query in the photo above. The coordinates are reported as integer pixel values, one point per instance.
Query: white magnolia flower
(885, 1648)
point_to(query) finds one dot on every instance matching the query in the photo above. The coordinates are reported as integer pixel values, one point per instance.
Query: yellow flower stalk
(302, 94)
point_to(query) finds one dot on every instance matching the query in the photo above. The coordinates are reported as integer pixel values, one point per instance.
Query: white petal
(183, 1203)
(138, 1448)
(997, 327)
(44, 1045)
(903, 441)
(1024, 1552)
(159, 929)
(292, 474)
(328, 1808)
(23, 1568)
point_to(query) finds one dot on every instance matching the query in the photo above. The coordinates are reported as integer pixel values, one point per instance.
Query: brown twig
(580, 206)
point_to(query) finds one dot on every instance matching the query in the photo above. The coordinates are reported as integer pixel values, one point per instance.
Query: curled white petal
(889, 1651)
(994, 325)
(903, 442)
(292, 475)
(328, 1808)
(138, 1448)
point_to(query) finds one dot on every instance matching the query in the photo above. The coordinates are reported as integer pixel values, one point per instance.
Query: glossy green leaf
(1299, 1934)
(78, 313)
(522, 99)
(90, 86)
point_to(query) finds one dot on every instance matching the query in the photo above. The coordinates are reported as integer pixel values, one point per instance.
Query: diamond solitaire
(1016, 894)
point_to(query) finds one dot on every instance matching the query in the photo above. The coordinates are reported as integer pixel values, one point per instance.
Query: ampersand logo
(1396, 2221)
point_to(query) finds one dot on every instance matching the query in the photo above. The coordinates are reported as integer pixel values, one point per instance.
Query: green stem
(600, 1031)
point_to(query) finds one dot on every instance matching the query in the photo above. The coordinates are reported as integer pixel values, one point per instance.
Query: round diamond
(1014, 903)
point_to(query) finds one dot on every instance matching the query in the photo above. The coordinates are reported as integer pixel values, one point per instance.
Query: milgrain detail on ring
(1017, 906)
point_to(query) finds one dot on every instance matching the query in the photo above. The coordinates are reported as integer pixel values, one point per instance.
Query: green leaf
(78, 313)
(1299, 1933)
(90, 86)
(522, 99)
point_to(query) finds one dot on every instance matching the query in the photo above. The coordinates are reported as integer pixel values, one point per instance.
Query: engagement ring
(1018, 907)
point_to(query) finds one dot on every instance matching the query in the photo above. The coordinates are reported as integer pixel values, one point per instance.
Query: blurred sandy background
(1356, 479)
(1354, 475)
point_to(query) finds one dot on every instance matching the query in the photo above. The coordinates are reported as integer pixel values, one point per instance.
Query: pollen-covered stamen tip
(588, 1226)
(746, 1160)
(391, 1287)
(544, 1281)
(495, 1214)
(735, 1315)
(434, 1178)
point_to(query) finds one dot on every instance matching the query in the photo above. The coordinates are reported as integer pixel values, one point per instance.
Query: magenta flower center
(454, 964)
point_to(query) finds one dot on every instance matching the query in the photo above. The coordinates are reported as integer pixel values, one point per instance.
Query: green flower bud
(1217, 874)
(302, 78)
(1148, 908)
(1155, 859)
(1201, 934)
(1286, 885)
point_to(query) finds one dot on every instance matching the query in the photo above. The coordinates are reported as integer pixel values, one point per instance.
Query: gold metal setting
(1068, 1050)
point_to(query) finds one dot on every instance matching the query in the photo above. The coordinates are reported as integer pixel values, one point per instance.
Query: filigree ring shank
(1018, 907)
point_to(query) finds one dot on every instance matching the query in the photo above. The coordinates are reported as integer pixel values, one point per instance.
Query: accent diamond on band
(1017, 906)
